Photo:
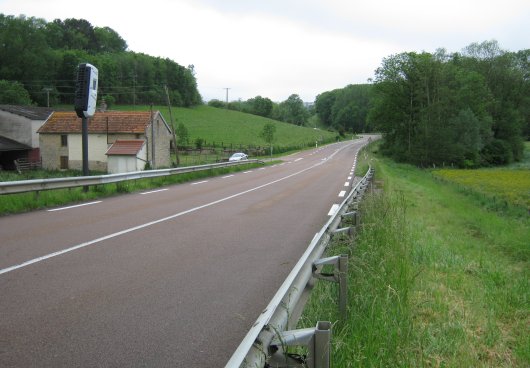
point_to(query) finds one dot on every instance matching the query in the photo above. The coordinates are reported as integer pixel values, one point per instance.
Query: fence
(273, 330)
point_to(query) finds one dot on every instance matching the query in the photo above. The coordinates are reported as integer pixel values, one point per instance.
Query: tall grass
(437, 279)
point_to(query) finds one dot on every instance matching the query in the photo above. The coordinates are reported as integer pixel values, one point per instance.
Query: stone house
(18, 133)
(60, 138)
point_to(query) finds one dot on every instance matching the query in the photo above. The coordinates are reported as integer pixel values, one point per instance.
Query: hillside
(234, 127)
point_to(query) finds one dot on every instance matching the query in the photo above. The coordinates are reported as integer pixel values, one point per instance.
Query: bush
(497, 152)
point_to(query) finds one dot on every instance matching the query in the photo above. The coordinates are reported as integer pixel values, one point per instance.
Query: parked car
(239, 156)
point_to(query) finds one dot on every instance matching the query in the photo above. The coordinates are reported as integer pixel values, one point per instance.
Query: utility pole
(47, 90)
(227, 96)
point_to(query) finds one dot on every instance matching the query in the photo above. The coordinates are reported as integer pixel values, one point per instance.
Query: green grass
(229, 127)
(437, 279)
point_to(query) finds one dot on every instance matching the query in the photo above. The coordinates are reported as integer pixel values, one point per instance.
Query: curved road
(169, 278)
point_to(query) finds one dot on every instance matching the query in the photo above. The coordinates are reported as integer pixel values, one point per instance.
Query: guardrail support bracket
(318, 343)
(339, 275)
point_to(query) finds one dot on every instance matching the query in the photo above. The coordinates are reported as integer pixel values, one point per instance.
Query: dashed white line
(147, 224)
(333, 209)
(298, 159)
(347, 184)
(349, 177)
(342, 193)
(227, 176)
(154, 191)
(199, 182)
(247, 172)
(74, 206)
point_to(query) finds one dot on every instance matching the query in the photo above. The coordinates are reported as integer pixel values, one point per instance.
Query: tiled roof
(126, 147)
(101, 122)
(30, 112)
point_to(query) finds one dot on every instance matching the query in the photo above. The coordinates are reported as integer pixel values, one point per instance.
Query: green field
(437, 279)
(222, 126)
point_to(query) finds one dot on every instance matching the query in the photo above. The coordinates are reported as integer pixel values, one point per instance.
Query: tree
(269, 129)
(293, 110)
(261, 106)
(13, 93)
(182, 135)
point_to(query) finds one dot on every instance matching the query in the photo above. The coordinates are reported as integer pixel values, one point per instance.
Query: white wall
(97, 146)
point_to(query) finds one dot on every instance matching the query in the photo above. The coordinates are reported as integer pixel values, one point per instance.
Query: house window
(64, 162)
(64, 140)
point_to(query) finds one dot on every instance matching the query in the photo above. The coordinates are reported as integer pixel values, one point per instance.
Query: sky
(276, 48)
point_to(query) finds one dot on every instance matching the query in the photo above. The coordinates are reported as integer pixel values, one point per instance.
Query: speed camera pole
(84, 144)
(86, 93)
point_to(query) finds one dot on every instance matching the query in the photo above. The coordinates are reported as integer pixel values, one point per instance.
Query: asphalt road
(169, 278)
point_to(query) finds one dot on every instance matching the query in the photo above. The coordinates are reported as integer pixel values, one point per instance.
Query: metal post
(84, 144)
(343, 286)
(321, 346)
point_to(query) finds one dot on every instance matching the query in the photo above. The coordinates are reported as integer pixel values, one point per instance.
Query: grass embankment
(229, 127)
(437, 278)
(23, 202)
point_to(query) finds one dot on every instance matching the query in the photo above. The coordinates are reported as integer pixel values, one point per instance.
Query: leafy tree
(267, 133)
(13, 93)
(463, 109)
(46, 55)
(182, 135)
(216, 103)
(293, 110)
(108, 40)
(261, 106)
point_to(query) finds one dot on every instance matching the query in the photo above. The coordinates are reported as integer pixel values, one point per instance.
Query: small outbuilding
(126, 156)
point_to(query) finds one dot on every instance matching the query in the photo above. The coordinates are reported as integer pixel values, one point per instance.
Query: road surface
(172, 277)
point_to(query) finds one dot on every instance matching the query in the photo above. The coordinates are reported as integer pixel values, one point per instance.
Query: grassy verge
(437, 279)
(23, 202)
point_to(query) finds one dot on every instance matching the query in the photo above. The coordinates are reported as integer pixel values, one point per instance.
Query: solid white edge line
(74, 206)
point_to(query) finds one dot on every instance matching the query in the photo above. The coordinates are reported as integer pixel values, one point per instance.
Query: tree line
(39, 59)
(293, 110)
(467, 109)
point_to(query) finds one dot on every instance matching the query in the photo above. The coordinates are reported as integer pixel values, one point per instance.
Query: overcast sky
(276, 48)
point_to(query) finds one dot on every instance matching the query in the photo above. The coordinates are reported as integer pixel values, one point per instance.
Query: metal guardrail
(272, 331)
(22, 186)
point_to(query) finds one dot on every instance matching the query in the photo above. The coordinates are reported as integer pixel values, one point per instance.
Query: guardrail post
(339, 275)
(343, 286)
(318, 343)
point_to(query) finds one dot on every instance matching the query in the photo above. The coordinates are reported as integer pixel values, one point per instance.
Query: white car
(240, 156)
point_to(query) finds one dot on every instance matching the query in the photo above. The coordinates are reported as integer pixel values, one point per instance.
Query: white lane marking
(282, 164)
(147, 224)
(200, 182)
(228, 176)
(74, 206)
(154, 191)
(298, 159)
(333, 209)
(247, 172)
(342, 193)
(347, 184)
(261, 168)
(349, 177)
